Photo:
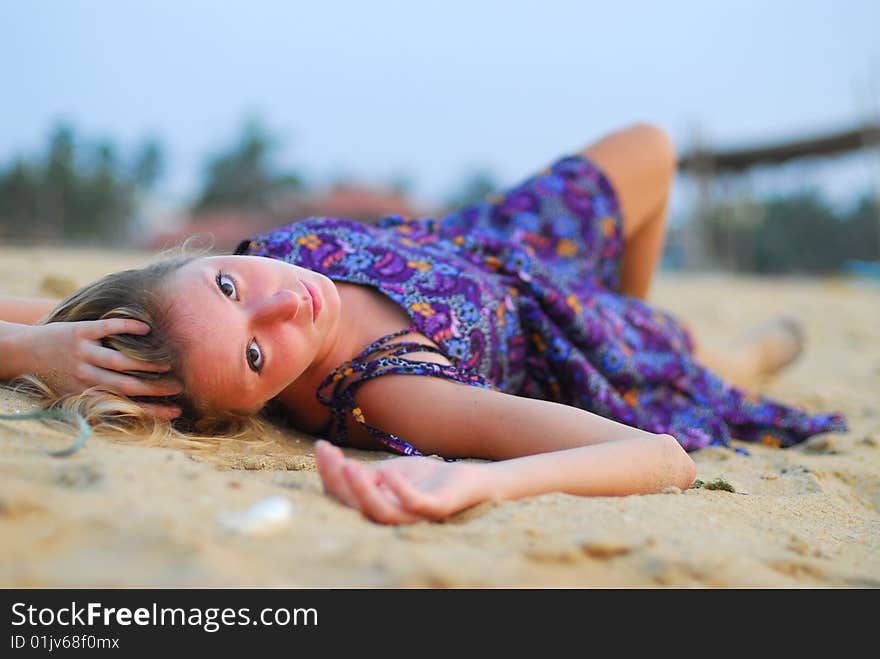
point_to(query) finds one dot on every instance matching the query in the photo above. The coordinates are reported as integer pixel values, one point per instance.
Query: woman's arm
(14, 349)
(25, 310)
(548, 447)
(638, 465)
(443, 417)
(411, 489)
(69, 358)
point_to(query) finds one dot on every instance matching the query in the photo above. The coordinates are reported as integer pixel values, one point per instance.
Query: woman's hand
(402, 490)
(69, 357)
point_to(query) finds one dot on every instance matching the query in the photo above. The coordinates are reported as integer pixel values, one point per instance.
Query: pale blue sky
(372, 89)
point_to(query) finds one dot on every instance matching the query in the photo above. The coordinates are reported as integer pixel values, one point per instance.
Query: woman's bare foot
(772, 345)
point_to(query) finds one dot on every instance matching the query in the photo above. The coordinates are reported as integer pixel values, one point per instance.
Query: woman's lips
(316, 301)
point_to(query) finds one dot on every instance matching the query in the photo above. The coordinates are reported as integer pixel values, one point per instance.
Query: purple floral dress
(519, 291)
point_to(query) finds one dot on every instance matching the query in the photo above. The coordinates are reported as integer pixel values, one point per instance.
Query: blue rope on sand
(84, 429)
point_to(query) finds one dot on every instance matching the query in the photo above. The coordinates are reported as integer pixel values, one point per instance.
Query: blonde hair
(137, 294)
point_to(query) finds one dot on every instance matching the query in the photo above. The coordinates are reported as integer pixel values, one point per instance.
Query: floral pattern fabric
(519, 291)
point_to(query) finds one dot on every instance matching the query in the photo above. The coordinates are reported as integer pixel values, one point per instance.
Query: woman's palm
(431, 487)
(401, 490)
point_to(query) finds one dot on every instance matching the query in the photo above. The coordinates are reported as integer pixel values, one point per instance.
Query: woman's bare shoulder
(388, 392)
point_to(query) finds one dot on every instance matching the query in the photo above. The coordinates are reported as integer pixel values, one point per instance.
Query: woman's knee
(658, 142)
(642, 152)
(640, 161)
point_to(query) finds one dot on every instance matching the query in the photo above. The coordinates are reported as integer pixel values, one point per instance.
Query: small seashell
(264, 517)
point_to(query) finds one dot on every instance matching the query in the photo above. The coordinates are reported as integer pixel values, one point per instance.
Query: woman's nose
(281, 305)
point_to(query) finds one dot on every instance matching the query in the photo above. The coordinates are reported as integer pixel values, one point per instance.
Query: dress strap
(348, 377)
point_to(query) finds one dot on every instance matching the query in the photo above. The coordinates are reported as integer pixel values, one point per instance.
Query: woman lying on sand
(525, 312)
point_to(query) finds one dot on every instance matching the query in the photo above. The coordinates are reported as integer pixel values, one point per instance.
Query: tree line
(74, 190)
(78, 190)
(81, 191)
(800, 233)
(84, 191)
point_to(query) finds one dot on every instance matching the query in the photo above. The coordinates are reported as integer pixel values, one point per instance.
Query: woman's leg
(640, 163)
(761, 351)
(739, 367)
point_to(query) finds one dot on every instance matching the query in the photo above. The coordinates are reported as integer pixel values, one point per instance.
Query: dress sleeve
(348, 377)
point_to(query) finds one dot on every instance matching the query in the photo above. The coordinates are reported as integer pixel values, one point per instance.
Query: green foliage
(719, 484)
(800, 233)
(474, 188)
(148, 164)
(76, 191)
(244, 176)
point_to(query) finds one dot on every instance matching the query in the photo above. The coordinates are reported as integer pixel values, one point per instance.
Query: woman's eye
(255, 357)
(227, 286)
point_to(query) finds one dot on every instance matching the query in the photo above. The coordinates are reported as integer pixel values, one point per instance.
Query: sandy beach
(120, 514)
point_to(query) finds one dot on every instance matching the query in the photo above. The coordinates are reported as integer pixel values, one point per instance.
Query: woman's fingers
(101, 328)
(130, 385)
(162, 412)
(355, 486)
(411, 498)
(330, 460)
(373, 503)
(113, 360)
(135, 386)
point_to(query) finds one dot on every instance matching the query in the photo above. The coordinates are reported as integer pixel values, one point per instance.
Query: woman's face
(247, 327)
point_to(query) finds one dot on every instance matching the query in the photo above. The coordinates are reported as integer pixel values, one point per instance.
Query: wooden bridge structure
(703, 164)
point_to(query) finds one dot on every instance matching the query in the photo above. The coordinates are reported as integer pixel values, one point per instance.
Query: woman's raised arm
(25, 310)
(69, 357)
